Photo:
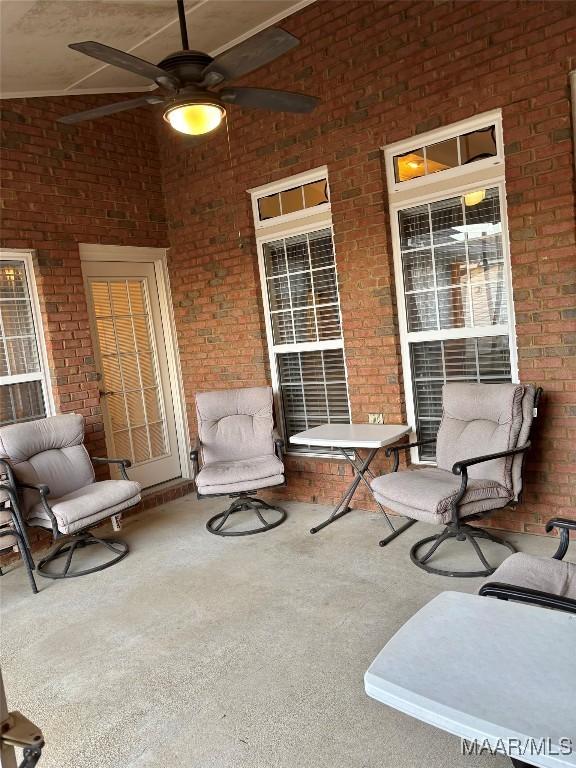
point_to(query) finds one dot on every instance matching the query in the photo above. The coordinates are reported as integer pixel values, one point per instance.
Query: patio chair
(49, 469)
(13, 532)
(546, 581)
(238, 453)
(480, 447)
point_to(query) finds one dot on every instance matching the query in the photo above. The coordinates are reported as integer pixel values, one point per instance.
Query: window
(453, 280)
(23, 386)
(443, 155)
(301, 302)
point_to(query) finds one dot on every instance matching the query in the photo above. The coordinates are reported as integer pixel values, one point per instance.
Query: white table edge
(456, 722)
(343, 443)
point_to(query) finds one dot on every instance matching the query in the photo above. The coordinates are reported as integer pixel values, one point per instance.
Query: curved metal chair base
(70, 545)
(216, 524)
(461, 533)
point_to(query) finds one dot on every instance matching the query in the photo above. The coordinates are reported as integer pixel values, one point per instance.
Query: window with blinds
(304, 331)
(22, 381)
(452, 271)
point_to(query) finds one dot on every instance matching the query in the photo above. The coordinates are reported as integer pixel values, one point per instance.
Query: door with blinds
(135, 385)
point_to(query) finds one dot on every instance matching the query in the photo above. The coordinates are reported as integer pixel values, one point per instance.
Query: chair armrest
(460, 466)
(565, 527)
(278, 443)
(526, 595)
(40, 488)
(124, 464)
(395, 449)
(195, 455)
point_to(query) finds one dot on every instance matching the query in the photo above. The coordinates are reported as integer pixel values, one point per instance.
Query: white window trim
(434, 189)
(16, 254)
(256, 193)
(442, 134)
(294, 224)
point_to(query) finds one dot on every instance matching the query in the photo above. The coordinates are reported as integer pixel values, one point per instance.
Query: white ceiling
(34, 35)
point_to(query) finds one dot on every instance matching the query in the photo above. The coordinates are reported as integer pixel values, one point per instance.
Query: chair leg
(26, 557)
(244, 503)
(70, 545)
(462, 532)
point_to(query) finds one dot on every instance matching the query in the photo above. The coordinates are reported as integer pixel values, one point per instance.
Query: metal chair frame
(67, 544)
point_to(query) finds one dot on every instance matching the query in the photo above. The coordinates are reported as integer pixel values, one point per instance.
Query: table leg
(397, 533)
(343, 507)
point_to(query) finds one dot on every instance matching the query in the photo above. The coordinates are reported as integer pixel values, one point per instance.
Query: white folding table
(497, 673)
(351, 437)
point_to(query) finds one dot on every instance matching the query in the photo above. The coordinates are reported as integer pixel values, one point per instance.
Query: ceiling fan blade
(264, 98)
(126, 61)
(250, 54)
(109, 109)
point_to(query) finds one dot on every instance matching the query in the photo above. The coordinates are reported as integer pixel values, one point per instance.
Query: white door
(135, 386)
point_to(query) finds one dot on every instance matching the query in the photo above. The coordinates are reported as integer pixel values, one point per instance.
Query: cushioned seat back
(235, 424)
(479, 419)
(48, 451)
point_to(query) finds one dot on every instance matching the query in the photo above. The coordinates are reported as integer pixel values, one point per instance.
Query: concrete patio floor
(207, 652)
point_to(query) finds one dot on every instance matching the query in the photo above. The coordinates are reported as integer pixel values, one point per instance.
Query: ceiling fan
(184, 80)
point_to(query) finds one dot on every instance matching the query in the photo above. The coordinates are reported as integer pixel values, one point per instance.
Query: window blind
(21, 377)
(306, 332)
(453, 271)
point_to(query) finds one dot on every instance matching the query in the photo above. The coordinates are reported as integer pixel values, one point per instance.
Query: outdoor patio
(198, 650)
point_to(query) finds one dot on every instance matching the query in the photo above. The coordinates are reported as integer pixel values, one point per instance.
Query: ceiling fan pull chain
(183, 30)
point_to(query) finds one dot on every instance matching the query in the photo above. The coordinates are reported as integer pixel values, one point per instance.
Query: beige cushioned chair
(237, 453)
(480, 446)
(48, 466)
(546, 581)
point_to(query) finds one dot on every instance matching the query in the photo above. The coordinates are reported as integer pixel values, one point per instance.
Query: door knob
(104, 393)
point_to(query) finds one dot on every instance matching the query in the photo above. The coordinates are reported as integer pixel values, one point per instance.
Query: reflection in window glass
(291, 200)
(315, 193)
(478, 145)
(269, 207)
(441, 156)
(434, 158)
(409, 165)
(457, 279)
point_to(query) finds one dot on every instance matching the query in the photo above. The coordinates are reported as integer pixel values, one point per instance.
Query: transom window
(24, 393)
(452, 274)
(304, 328)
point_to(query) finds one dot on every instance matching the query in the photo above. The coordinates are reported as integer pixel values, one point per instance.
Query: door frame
(91, 252)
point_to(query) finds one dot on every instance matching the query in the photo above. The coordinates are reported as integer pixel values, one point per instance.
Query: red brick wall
(65, 185)
(385, 71)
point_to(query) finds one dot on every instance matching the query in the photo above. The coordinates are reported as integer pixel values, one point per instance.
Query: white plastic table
(347, 437)
(489, 671)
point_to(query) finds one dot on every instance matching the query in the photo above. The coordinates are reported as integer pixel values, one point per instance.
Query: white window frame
(476, 123)
(43, 375)
(301, 222)
(433, 188)
(300, 179)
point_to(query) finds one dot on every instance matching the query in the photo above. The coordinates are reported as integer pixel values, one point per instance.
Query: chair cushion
(478, 419)
(87, 506)
(245, 474)
(542, 573)
(48, 451)
(235, 424)
(425, 494)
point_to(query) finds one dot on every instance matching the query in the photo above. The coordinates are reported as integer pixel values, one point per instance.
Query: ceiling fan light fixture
(195, 117)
